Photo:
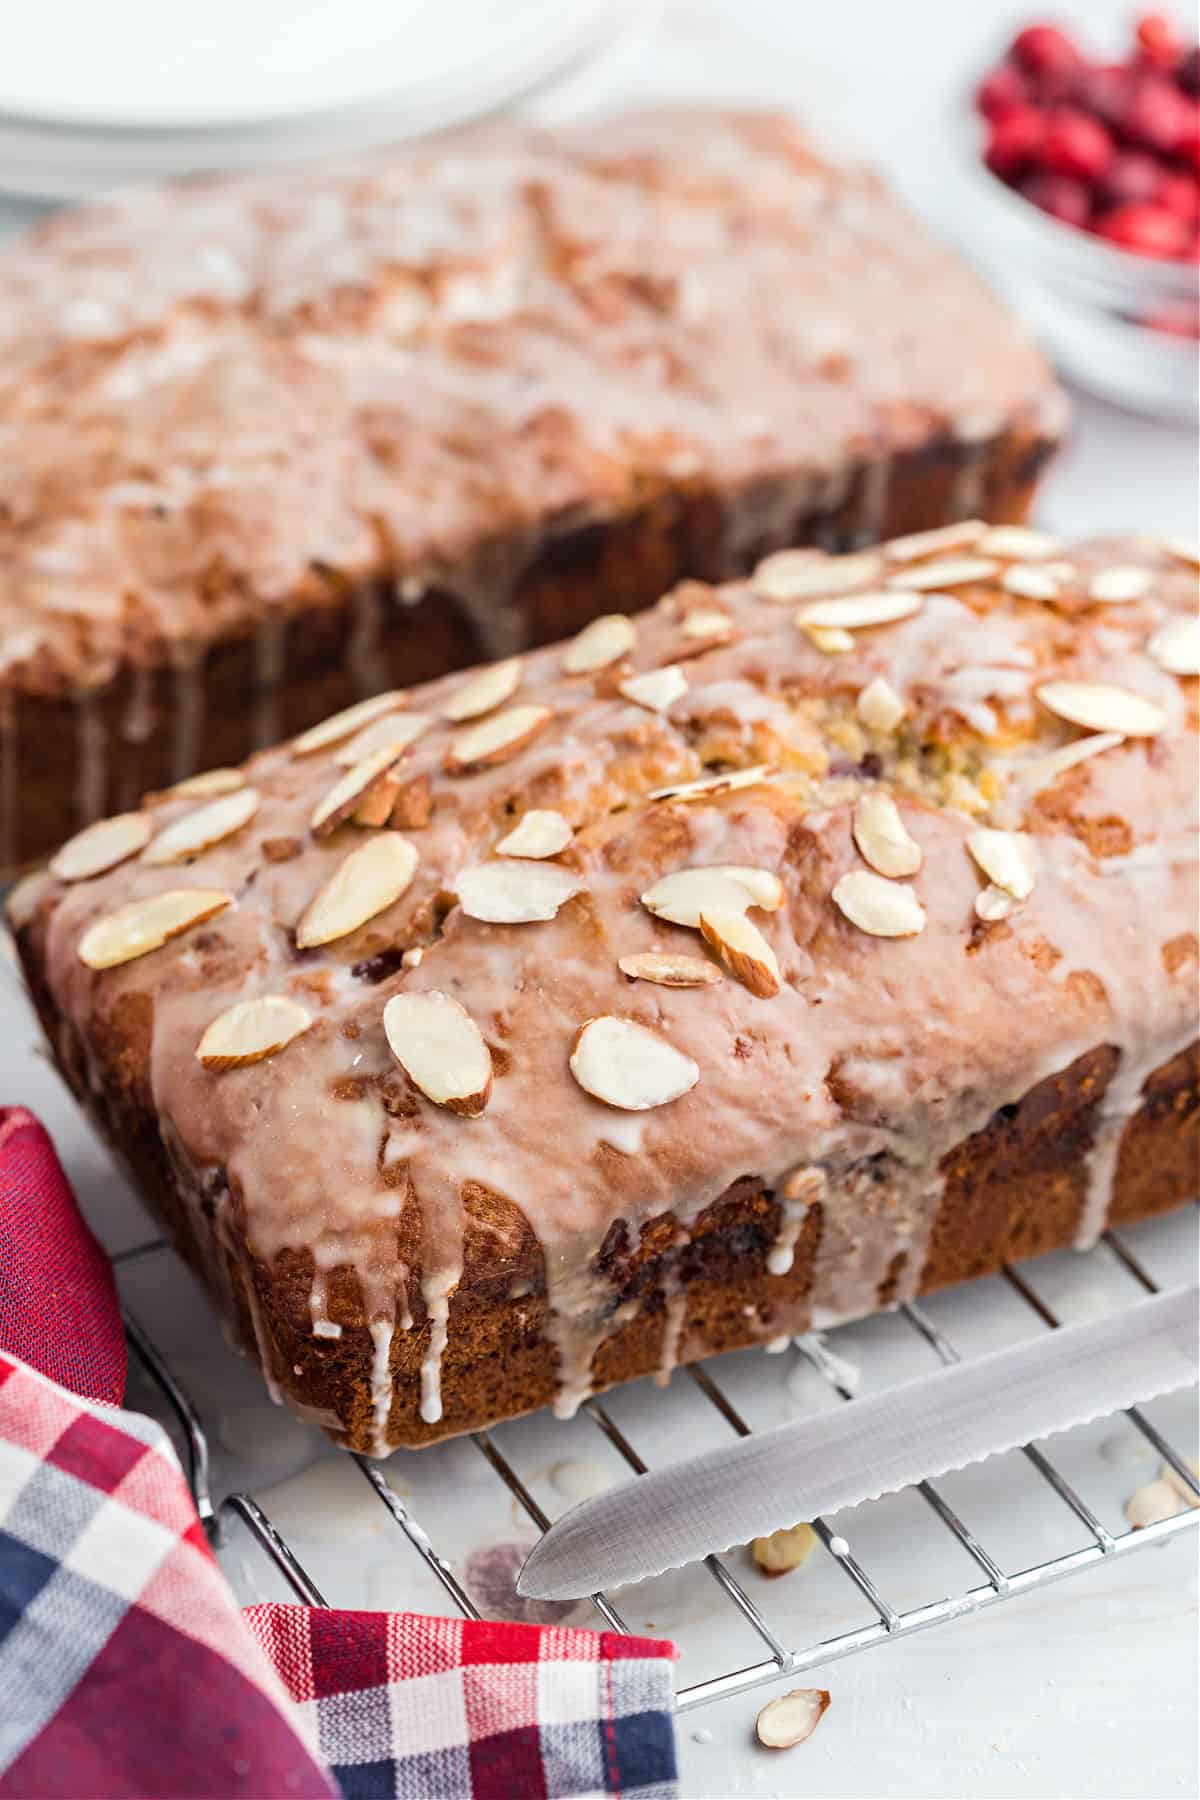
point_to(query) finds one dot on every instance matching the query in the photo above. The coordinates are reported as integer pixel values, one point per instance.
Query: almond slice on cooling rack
(514, 892)
(344, 724)
(496, 738)
(743, 949)
(251, 1030)
(669, 970)
(605, 641)
(441, 1049)
(100, 847)
(144, 925)
(371, 878)
(628, 1066)
(484, 691)
(537, 834)
(201, 829)
(1099, 707)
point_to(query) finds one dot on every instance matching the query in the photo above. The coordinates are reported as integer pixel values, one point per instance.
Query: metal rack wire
(779, 1659)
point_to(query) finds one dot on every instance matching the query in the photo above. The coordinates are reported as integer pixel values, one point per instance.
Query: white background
(1086, 1689)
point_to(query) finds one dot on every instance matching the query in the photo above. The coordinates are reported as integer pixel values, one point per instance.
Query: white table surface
(1086, 1688)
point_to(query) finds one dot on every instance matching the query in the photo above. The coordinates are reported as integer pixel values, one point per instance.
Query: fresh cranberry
(1015, 141)
(1076, 145)
(1157, 40)
(1001, 92)
(1045, 50)
(1156, 116)
(1060, 196)
(1187, 75)
(1147, 229)
(1180, 194)
(1132, 175)
(1102, 89)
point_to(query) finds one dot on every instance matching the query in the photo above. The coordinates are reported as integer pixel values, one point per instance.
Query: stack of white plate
(94, 95)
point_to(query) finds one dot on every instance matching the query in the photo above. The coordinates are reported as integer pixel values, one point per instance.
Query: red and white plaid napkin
(126, 1668)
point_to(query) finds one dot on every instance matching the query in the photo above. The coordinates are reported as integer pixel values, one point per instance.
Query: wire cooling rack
(779, 1657)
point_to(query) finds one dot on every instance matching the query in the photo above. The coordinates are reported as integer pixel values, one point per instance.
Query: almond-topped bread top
(224, 400)
(813, 916)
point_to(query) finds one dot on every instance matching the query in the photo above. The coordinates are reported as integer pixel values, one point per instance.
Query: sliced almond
(784, 1550)
(349, 792)
(879, 706)
(1124, 581)
(881, 836)
(395, 731)
(681, 896)
(1020, 542)
(208, 784)
(709, 623)
(412, 959)
(932, 543)
(101, 846)
(370, 878)
(877, 906)
(514, 893)
(945, 572)
(669, 970)
(705, 785)
(1029, 582)
(1183, 550)
(441, 1049)
(604, 641)
(496, 738)
(799, 574)
(851, 612)
(144, 925)
(627, 1066)
(412, 807)
(251, 1030)
(1098, 707)
(830, 640)
(657, 689)
(1175, 646)
(1184, 1489)
(1155, 1501)
(484, 691)
(537, 834)
(344, 724)
(743, 949)
(379, 801)
(763, 885)
(199, 830)
(992, 903)
(791, 1718)
(1006, 858)
(22, 902)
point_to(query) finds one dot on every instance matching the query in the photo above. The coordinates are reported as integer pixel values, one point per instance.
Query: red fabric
(58, 1301)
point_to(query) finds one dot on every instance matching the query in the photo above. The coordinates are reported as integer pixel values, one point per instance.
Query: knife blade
(876, 1445)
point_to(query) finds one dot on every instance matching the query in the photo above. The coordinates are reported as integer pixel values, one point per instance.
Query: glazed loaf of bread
(797, 946)
(274, 443)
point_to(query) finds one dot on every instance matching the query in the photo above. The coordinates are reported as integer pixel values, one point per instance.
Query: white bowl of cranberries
(1089, 169)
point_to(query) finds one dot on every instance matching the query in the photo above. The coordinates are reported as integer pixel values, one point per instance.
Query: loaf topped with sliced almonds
(727, 971)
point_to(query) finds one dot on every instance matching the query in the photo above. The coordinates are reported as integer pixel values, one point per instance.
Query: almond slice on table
(344, 724)
(397, 731)
(851, 612)
(606, 640)
(1099, 707)
(199, 830)
(144, 925)
(657, 689)
(101, 846)
(669, 970)
(917, 544)
(743, 949)
(880, 834)
(1006, 858)
(496, 738)
(1175, 646)
(628, 1066)
(704, 785)
(799, 574)
(441, 1049)
(1124, 581)
(784, 1550)
(208, 784)
(539, 833)
(945, 571)
(348, 793)
(251, 1030)
(1020, 542)
(514, 892)
(708, 622)
(791, 1718)
(877, 906)
(681, 896)
(879, 707)
(1028, 582)
(370, 878)
(484, 691)
(992, 903)
(1183, 550)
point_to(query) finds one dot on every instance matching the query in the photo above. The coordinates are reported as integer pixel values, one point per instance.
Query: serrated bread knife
(875, 1445)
